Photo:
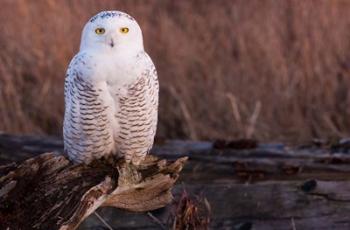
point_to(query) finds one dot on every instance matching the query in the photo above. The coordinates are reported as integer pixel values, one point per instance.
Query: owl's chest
(129, 104)
(130, 98)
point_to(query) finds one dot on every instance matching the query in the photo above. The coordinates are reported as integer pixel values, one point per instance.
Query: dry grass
(191, 213)
(273, 70)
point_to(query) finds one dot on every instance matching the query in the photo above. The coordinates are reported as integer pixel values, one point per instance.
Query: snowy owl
(111, 92)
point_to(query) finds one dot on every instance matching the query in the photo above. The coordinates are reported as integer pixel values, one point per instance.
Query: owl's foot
(128, 174)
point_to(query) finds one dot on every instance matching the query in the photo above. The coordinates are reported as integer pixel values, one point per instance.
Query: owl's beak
(111, 42)
(110, 39)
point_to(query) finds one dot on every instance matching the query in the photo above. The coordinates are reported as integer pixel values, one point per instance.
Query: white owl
(111, 92)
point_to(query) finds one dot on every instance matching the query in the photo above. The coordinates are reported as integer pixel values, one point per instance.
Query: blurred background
(265, 69)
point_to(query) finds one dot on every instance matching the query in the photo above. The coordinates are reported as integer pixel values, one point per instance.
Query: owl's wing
(138, 114)
(85, 131)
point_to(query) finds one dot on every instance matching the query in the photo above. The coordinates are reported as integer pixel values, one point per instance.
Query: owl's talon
(128, 174)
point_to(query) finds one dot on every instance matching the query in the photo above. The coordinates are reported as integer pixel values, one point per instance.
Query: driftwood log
(246, 184)
(49, 192)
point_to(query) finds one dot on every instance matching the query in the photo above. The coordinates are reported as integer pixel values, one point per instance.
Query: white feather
(110, 64)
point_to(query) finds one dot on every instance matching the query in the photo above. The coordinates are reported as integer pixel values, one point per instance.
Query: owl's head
(113, 31)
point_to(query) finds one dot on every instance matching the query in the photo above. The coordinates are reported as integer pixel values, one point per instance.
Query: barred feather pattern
(86, 126)
(138, 117)
(95, 128)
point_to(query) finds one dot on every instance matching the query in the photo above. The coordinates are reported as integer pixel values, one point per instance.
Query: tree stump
(49, 192)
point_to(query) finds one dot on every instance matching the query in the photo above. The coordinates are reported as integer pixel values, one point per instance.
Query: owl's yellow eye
(124, 30)
(100, 31)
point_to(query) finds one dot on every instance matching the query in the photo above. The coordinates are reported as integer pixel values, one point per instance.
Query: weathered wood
(267, 187)
(261, 186)
(49, 192)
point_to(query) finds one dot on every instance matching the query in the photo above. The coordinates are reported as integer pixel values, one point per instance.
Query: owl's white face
(112, 32)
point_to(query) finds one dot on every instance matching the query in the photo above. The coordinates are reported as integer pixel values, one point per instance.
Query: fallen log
(255, 186)
(49, 192)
